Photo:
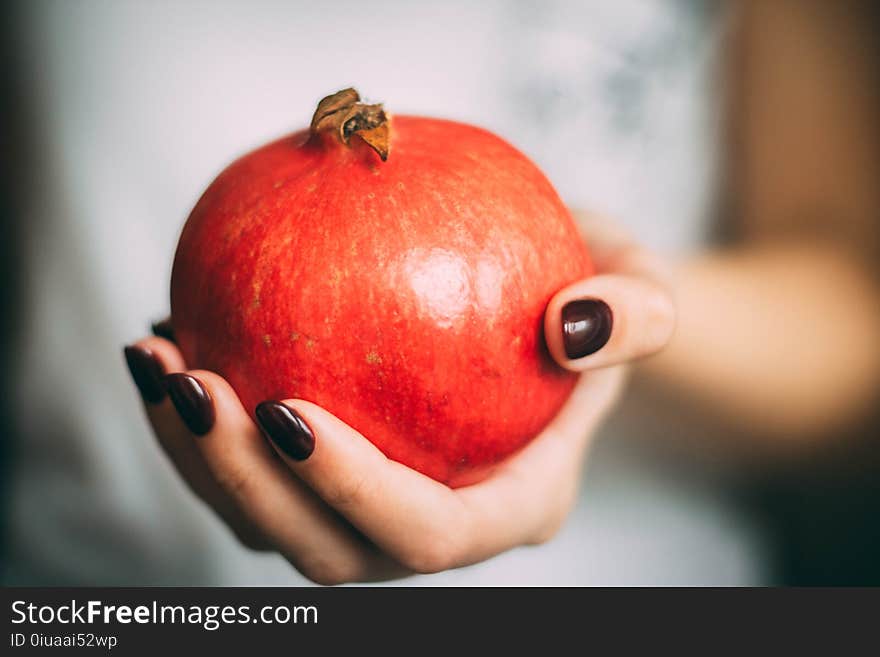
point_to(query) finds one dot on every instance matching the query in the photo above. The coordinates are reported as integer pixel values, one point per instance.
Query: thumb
(608, 320)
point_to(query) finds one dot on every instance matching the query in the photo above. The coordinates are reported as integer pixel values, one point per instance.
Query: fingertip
(148, 360)
(146, 371)
(163, 329)
(204, 399)
(193, 401)
(608, 320)
(165, 351)
(316, 437)
(578, 323)
(286, 429)
(219, 426)
(586, 327)
(230, 411)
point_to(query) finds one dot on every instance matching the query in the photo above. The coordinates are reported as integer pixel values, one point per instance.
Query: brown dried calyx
(344, 115)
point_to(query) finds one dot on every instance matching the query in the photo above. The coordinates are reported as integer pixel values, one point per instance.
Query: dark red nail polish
(586, 327)
(147, 373)
(192, 401)
(163, 329)
(286, 429)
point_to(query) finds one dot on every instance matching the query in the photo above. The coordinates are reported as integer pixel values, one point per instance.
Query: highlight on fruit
(394, 272)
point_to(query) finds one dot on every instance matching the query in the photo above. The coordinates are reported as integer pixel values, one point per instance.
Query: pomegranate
(393, 270)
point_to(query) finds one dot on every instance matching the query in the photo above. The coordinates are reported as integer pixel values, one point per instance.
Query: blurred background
(740, 140)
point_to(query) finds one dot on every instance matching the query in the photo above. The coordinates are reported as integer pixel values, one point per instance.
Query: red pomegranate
(394, 271)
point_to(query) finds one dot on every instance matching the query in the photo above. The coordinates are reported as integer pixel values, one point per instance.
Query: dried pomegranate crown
(344, 114)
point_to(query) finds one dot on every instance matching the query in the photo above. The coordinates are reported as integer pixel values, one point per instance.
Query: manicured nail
(192, 401)
(147, 373)
(286, 429)
(586, 327)
(163, 329)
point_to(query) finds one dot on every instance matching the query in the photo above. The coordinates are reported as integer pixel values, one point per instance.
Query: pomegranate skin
(406, 297)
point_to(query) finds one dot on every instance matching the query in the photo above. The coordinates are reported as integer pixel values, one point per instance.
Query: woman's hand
(322, 495)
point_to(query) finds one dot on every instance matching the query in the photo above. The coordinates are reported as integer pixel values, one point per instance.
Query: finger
(149, 360)
(527, 499)
(423, 524)
(607, 320)
(623, 313)
(309, 534)
(163, 329)
(415, 519)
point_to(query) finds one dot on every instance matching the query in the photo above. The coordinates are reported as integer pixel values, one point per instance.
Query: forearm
(780, 332)
(783, 339)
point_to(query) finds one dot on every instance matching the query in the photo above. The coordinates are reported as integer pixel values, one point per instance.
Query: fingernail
(586, 327)
(163, 329)
(147, 373)
(286, 429)
(192, 401)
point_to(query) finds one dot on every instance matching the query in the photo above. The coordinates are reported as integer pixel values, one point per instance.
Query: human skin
(778, 323)
(776, 331)
(405, 296)
(347, 513)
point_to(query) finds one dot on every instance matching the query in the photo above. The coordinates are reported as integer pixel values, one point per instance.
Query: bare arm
(780, 330)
